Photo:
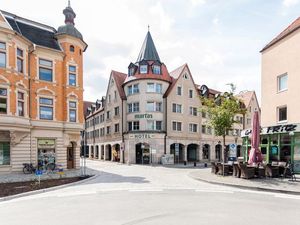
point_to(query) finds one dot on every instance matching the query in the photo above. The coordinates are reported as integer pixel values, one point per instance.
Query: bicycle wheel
(51, 166)
(26, 170)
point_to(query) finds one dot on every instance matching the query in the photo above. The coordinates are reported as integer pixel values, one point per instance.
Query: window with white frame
(46, 108)
(154, 106)
(156, 69)
(143, 69)
(177, 126)
(133, 107)
(133, 89)
(21, 104)
(107, 130)
(117, 128)
(20, 60)
(117, 111)
(72, 75)
(176, 108)
(154, 87)
(154, 125)
(179, 90)
(282, 82)
(2, 54)
(3, 101)
(45, 70)
(193, 111)
(193, 127)
(282, 114)
(72, 111)
(133, 125)
(203, 129)
(108, 115)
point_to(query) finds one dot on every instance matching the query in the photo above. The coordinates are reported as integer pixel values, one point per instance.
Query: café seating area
(259, 170)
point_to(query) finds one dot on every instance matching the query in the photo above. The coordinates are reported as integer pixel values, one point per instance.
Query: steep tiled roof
(174, 76)
(246, 97)
(119, 79)
(290, 29)
(37, 33)
(86, 104)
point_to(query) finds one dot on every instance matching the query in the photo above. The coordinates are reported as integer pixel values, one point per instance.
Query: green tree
(221, 112)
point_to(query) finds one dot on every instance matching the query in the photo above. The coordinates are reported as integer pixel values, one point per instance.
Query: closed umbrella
(255, 155)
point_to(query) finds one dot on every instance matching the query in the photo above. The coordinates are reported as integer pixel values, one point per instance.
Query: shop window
(282, 114)
(72, 75)
(45, 70)
(3, 101)
(263, 150)
(46, 108)
(4, 153)
(264, 140)
(46, 153)
(274, 139)
(2, 54)
(21, 101)
(72, 111)
(285, 139)
(156, 69)
(282, 82)
(72, 48)
(20, 60)
(285, 153)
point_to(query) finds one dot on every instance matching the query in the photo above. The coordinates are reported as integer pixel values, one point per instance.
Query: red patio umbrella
(255, 155)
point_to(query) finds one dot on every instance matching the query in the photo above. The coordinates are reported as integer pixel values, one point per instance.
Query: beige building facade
(149, 113)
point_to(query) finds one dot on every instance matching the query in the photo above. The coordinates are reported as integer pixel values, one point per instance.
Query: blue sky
(219, 39)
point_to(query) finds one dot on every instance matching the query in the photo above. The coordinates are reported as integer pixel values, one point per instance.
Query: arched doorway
(71, 155)
(192, 152)
(180, 155)
(108, 152)
(116, 153)
(218, 150)
(142, 153)
(206, 152)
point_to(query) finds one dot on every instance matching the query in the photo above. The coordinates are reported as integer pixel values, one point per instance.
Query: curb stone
(29, 193)
(246, 187)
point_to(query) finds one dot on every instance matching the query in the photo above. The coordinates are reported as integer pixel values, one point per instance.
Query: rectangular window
(282, 114)
(2, 54)
(72, 111)
(117, 128)
(191, 93)
(46, 108)
(154, 88)
(21, 100)
(158, 88)
(193, 127)
(108, 115)
(3, 101)
(179, 90)
(133, 125)
(156, 69)
(45, 70)
(107, 130)
(154, 125)
(72, 75)
(4, 153)
(176, 126)
(129, 90)
(150, 87)
(282, 82)
(177, 108)
(20, 60)
(133, 107)
(193, 111)
(135, 89)
(115, 95)
(117, 111)
(248, 121)
(203, 114)
(203, 129)
(143, 69)
(154, 106)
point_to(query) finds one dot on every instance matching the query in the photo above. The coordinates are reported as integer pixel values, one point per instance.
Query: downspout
(30, 100)
(166, 126)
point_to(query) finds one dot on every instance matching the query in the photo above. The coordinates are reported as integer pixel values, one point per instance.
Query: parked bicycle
(28, 168)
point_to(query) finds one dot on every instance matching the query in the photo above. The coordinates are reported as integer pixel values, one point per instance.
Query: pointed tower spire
(148, 51)
(69, 14)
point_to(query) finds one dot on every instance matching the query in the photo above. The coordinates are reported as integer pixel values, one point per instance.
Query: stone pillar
(185, 152)
(104, 158)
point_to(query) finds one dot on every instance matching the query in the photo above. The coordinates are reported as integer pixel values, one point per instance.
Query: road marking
(214, 191)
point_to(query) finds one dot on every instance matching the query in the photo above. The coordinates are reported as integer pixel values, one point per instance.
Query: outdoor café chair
(247, 172)
(272, 171)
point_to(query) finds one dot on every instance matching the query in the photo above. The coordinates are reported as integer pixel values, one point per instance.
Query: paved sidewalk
(21, 177)
(264, 184)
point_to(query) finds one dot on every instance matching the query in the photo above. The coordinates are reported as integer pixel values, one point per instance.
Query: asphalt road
(129, 195)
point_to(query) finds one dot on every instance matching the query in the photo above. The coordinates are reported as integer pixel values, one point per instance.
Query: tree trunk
(224, 154)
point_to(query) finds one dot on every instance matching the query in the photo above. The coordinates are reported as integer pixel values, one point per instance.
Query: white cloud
(289, 3)
(197, 2)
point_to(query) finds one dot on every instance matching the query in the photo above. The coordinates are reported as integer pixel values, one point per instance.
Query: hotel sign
(286, 128)
(143, 116)
(141, 136)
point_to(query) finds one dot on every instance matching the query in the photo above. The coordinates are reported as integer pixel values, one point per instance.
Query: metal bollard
(184, 163)
(195, 164)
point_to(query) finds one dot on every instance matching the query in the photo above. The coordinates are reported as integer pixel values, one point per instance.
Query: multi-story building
(280, 119)
(149, 112)
(41, 92)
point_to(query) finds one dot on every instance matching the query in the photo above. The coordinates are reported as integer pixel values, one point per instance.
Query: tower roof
(148, 51)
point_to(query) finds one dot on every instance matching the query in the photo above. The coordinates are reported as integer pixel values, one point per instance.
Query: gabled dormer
(132, 68)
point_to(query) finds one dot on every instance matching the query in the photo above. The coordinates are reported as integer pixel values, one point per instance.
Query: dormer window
(143, 69)
(156, 69)
(72, 49)
(131, 71)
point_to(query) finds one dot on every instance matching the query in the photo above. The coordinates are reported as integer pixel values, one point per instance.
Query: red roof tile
(119, 79)
(290, 29)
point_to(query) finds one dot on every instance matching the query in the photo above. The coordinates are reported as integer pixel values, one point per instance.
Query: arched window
(205, 151)
(72, 48)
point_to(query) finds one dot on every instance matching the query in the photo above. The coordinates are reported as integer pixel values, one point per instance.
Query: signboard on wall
(46, 143)
(286, 128)
(232, 152)
(141, 136)
(143, 116)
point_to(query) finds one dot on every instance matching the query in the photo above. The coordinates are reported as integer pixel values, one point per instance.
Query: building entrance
(142, 153)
